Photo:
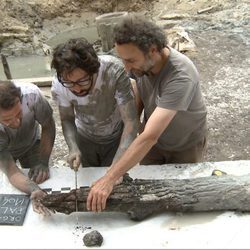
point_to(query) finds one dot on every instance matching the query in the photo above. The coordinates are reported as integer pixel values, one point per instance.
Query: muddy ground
(221, 36)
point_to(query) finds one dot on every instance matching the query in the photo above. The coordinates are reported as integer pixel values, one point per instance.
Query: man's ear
(153, 49)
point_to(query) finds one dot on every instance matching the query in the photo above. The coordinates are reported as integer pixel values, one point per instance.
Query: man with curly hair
(168, 90)
(96, 104)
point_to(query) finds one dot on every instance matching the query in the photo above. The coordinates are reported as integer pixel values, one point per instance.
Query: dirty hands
(99, 192)
(74, 159)
(39, 173)
(38, 207)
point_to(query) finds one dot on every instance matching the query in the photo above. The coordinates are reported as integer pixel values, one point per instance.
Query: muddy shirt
(97, 115)
(36, 110)
(176, 87)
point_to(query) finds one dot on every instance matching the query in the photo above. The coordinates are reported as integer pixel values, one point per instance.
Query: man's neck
(160, 61)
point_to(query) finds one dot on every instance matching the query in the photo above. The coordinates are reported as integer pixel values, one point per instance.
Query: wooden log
(6, 67)
(141, 198)
(209, 9)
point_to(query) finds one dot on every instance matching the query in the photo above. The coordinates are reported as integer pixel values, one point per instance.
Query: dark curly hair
(75, 53)
(8, 94)
(139, 31)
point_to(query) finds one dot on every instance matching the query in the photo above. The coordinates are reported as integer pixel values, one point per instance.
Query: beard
(15, 126)
(82, 93)
(145, 69)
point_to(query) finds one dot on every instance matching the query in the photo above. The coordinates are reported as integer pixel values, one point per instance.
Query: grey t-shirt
(97, 115)
(176, 87)
(36, 110)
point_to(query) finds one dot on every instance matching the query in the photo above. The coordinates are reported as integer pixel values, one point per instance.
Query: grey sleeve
(42, 108)
(59, 96)
(176, 94)
(4, 141)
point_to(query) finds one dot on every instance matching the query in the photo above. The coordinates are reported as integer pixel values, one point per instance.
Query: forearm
(128, 136)
(14, 174)
(70, 134)
(47, 141)
(23, 183)
(155, 126)
(134, 154)
(130, 130)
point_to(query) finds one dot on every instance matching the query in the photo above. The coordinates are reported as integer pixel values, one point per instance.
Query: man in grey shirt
(96, 104)
(168, 89)
(23, 110)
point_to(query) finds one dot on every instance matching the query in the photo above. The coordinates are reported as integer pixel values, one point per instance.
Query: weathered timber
(141, 198)
(6, 67)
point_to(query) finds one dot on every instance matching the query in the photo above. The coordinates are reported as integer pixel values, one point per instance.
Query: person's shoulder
(175, 55)
(111, 65)
(109, 60)
(56, 84)
(27, 87)
(182, 64)
(58, 88)
(60, 93)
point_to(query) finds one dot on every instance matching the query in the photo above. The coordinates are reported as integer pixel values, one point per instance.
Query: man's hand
(99, 192)
(119, 181)
(39, 173)
(38, 207)
(74, 159)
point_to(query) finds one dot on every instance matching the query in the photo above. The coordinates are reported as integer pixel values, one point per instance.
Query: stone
(94, 238)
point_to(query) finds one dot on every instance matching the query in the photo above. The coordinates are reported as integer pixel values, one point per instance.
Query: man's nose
(77, 88)
(16, 122)
(127, 66)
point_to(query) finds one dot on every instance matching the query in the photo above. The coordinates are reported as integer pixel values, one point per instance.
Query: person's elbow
(150, 138)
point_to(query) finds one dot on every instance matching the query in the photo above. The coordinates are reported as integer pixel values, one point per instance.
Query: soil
(221, 36)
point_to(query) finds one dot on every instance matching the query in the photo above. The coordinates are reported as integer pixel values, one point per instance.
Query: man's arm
(70, 133)
(15, 175)
(129, 117)
(22, 182)
(40, 173)
(101, 189)
(47, 140)
(138, 101)
(139, 105)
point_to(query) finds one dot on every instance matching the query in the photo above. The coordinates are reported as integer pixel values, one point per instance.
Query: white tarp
(166, 230)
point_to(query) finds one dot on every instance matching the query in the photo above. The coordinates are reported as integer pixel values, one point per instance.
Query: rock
(179, 39)
(94, 238)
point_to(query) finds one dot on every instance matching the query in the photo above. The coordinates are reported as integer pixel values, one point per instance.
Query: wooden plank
(6, 67)
(39, 81)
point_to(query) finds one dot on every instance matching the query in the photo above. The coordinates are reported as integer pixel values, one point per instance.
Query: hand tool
(76, 169)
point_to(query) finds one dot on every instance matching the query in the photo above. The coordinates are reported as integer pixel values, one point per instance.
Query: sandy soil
(222, 57)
